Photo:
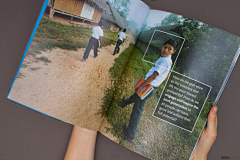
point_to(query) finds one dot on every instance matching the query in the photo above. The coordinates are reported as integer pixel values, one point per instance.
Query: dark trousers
(116, 50)
(136, 114)
(92, 42)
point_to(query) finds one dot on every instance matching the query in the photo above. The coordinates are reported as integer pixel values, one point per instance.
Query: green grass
(52, 34)
(155, 139)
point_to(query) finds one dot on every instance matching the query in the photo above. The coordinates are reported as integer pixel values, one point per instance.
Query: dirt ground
(67, 88)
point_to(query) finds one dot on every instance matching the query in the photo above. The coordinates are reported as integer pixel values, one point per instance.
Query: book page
(65, 69)
(188, 63)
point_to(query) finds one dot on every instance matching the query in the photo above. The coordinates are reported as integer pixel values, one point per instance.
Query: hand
(137, 90)
(207, 137)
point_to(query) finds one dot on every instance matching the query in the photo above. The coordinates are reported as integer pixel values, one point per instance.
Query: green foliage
(207, 53)
(171, 19)
(116, 73)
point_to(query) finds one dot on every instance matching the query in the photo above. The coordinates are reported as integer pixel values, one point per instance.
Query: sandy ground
(67, 88)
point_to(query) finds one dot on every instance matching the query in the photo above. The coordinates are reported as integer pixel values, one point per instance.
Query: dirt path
(67, 88)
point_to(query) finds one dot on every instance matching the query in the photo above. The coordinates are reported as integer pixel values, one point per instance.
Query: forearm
(100, 40)
(148, 81)
(199, 157)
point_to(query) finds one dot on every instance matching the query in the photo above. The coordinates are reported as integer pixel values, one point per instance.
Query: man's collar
(169, 56)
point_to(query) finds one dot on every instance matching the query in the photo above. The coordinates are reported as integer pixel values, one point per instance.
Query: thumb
(212, 122)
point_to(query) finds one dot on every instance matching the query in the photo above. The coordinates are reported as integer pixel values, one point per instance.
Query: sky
(138, 12)
(156, 16)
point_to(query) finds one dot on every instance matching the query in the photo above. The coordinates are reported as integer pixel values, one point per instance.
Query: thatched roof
(112, 15)
(125, 22)
(160, 37)
(100, 3)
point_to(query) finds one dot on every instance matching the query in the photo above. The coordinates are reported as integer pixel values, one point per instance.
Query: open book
(52, 79)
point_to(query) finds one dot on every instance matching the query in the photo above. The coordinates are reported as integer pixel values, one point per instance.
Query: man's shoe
(123, 102)
(95, 56)
(126, 134)
(83, 60)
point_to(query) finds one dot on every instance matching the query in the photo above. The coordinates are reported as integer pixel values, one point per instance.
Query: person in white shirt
(121, 39)
(95, 40)
(155, 76)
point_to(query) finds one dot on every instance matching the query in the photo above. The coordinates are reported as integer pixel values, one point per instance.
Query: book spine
(138, 82)
(227, 76)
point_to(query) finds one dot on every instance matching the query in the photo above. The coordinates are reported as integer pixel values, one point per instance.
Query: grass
(155, 139)
(44, 59)
(20, 75)
(52, 34)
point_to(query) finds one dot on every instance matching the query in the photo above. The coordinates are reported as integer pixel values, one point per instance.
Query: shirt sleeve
(161, 68)
(101, 34)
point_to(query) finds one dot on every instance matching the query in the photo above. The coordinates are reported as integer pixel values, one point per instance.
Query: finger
(212, 122)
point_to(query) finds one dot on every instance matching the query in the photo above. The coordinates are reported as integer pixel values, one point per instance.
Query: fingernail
(215, 109)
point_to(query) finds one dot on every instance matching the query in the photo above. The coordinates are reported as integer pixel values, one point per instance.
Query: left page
(53, 78)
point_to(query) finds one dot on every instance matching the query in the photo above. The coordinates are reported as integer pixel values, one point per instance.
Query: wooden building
(90, 10)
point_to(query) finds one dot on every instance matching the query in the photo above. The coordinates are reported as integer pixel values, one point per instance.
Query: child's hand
(137, 90)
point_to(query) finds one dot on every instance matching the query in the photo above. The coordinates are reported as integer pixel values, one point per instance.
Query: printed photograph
(65, 70)
(198, 73)
(146, 80)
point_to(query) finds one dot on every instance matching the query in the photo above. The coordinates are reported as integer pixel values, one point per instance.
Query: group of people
(96, 41)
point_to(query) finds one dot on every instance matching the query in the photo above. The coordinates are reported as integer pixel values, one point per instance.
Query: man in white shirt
(121, 39)
(155, 76)
(95, 40)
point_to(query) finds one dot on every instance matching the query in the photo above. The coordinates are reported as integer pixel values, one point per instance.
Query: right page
(183, 65)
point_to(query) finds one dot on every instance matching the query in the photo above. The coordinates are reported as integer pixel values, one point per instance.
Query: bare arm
(100, 39)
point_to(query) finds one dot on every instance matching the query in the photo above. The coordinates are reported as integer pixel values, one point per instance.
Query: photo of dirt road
(67, 88)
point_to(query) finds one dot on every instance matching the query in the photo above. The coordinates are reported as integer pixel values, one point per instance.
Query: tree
(122, 6)
(171, 19)
(145, 27)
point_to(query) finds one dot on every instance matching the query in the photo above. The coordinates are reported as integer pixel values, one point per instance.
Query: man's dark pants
(136, 114)
(92, 42)
(119, 42)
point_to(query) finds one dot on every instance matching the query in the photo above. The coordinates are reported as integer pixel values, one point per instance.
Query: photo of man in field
(95, 40)
(155, 76)
(121, 39)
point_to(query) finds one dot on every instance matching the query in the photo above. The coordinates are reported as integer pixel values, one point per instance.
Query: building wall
(69, 6)
(106, 23)
(74, 7)
(114, 27)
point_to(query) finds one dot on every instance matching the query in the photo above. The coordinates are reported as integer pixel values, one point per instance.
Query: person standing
(155, 76)
(121, 39)
(95, 40)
